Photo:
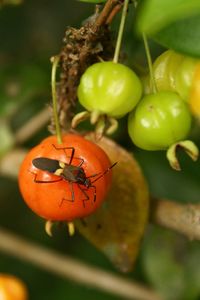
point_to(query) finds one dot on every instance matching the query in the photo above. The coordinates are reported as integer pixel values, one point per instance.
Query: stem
(113, 13)
(149, 60)
(121, 30)
(32, 126)
(182, 218)
(102, 19)
(55, 61)
(74, 270)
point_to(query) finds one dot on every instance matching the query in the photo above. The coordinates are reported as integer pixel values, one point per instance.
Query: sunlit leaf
(182, 36)
(118, 226)
(154, 15)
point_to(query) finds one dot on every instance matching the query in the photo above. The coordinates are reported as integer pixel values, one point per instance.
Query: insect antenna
(106, 171)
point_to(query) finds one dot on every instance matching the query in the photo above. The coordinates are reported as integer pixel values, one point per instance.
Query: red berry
(12, 288)
(54, 200)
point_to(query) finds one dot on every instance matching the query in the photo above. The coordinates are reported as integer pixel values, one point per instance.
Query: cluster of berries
(156, 120)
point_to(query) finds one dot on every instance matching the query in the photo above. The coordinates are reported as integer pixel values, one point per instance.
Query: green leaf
(154, 15)
(170, 262)
(192, 272)
(117, 227)
(93, 1)
(182, 36)
(18, 84)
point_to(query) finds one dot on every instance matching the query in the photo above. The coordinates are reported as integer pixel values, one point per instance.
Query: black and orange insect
(69, 172)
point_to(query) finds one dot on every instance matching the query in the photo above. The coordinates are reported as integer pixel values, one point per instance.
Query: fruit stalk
(121, 30)
(55, 62)
(150, 64)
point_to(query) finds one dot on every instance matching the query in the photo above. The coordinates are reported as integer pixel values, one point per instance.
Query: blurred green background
(30, 34)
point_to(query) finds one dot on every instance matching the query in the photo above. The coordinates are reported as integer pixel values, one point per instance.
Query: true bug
(62, 183)
(69, 172)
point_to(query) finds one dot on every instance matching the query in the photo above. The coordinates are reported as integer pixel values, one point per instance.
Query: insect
(68, 172)
(59, 182)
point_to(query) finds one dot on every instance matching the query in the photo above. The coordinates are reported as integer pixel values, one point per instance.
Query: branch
(32, 126)
(72, 269)
(82, 47)
(113, 13)
(183, 218)
(106, 12)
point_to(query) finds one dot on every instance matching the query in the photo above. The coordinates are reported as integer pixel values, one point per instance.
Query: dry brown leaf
(117, 227)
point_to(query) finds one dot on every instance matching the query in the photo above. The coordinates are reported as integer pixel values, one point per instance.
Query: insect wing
(46, 164)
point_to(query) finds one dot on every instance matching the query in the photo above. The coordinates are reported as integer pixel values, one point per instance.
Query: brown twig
(113, 13)
(82, 47)
(106, 12)
(32, 126)
(72, 269)
(183, 218)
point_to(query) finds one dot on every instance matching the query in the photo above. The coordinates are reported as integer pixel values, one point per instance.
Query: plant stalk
(55, 62)
(150, 64)
(121, 31)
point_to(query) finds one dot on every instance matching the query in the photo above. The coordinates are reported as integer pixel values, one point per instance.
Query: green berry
(159, 121)
(109, 88)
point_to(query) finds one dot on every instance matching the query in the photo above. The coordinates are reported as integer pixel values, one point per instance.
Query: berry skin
(184, 77)
(53, 200)
(12, 288)
(159, 121)
(165, 68)
(194, 100)
(175, 72)
(109, 88)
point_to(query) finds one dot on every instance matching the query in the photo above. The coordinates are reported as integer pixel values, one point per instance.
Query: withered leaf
(117, 227)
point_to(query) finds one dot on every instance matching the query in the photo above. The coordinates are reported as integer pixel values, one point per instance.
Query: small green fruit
(109, 88)
(159, 121)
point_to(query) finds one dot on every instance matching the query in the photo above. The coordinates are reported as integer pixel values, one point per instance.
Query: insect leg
(103, 173)
(94, 175)
(72, 193)
(95, 192)
(72, 154)
(82, 161)
(85, 194)
(66, 148)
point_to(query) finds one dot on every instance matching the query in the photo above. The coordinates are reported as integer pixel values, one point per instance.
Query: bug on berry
(68, 172)
(74, 180)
